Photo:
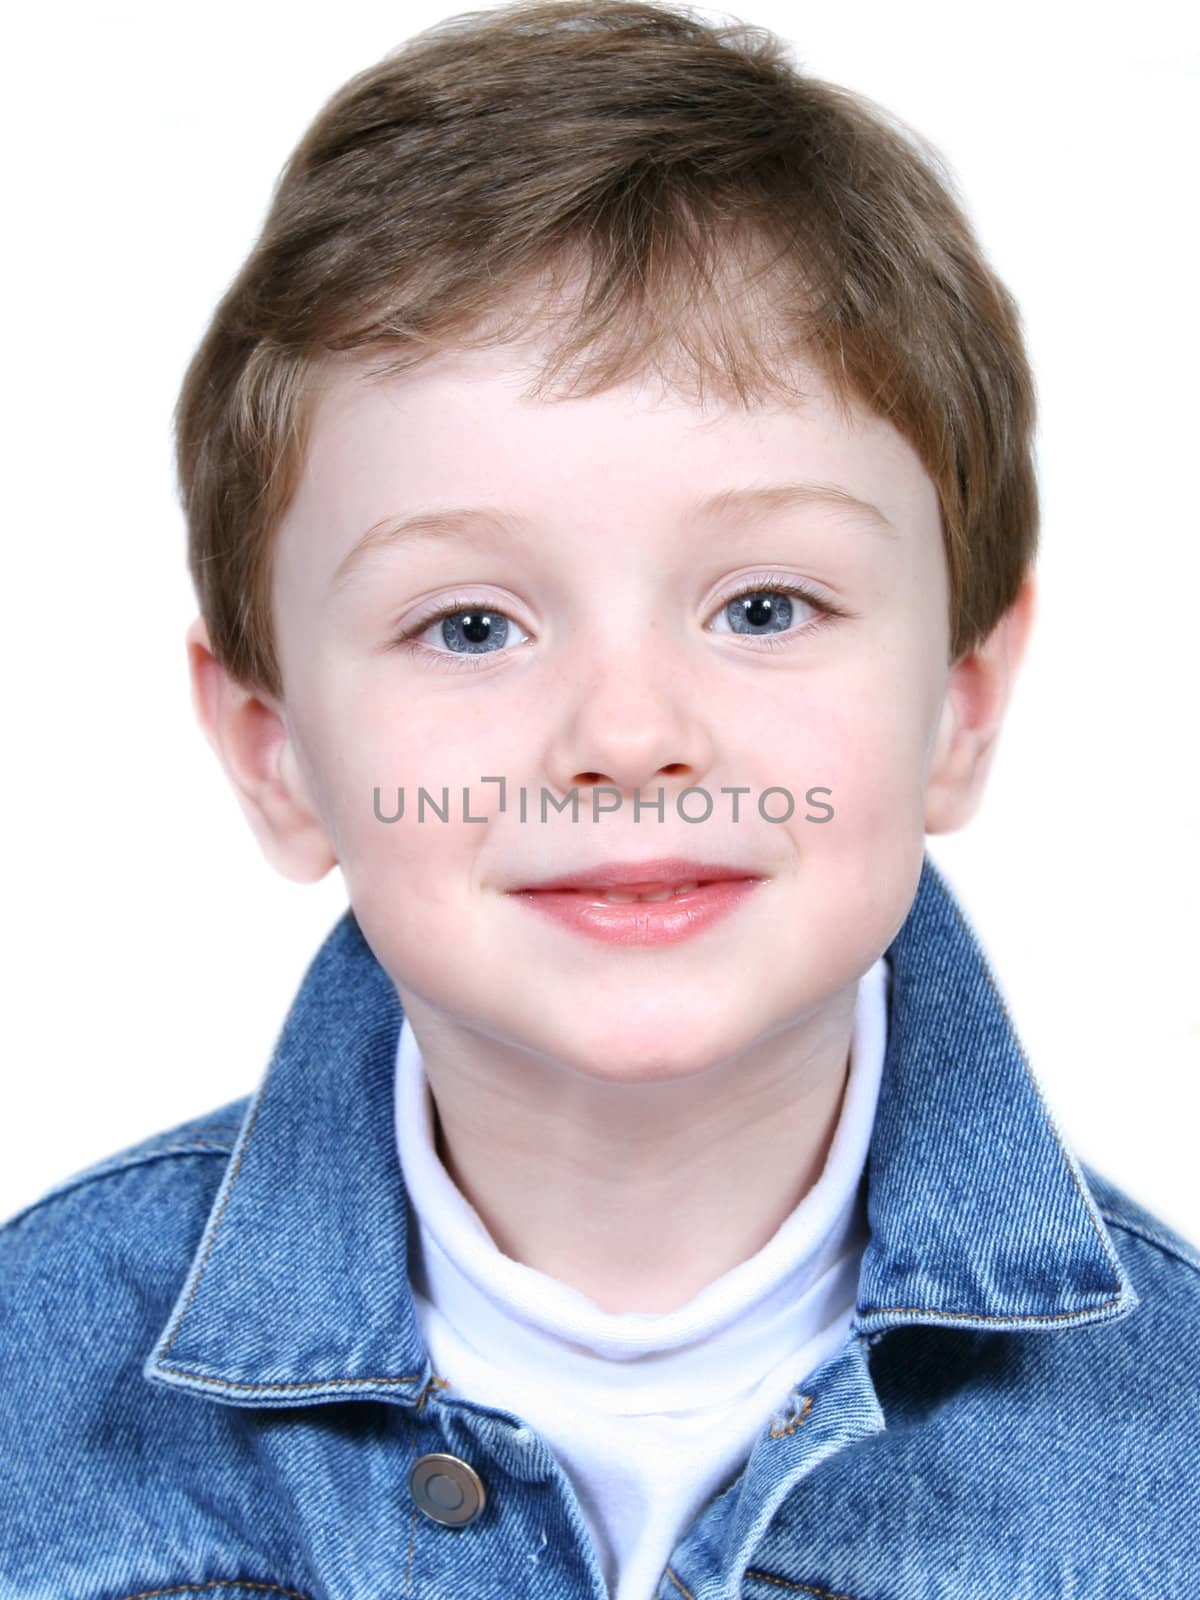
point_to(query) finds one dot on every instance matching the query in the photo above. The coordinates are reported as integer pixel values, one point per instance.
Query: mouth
(636, 910)
(640, 882)
(632, 894)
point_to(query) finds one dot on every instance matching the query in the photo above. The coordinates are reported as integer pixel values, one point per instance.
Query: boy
(648, 1194)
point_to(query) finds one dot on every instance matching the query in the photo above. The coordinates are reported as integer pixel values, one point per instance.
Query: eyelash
(826, 611)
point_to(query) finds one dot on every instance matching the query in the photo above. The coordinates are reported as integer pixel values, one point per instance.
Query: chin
(652, 1055)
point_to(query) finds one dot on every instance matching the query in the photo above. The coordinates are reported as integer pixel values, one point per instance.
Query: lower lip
(651, 922)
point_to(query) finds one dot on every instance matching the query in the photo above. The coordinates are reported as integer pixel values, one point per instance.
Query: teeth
(618, 897)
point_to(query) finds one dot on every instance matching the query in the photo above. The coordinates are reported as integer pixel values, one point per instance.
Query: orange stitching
(976, 1317)
(797, 1421)
(319, 1383)
(679, 1586)
(442, 1383)
(804, 1588)
(217, 1583)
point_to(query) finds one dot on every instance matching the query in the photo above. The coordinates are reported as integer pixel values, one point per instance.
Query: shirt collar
(299, 1288)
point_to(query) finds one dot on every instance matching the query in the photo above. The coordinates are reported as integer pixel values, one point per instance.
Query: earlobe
(253, 743)
(978, 692)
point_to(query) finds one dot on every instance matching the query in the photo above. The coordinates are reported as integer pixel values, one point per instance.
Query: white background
(153, 952)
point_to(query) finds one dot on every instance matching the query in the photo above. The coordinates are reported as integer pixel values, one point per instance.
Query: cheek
(407, 718)
(859, 735)
(378, 743)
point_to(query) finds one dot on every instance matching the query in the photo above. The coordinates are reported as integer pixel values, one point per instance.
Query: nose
(631, 719)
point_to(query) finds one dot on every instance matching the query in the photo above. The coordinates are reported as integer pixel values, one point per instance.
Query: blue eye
(758, 611)
(476, 630)
(466, 629)
(765, 609)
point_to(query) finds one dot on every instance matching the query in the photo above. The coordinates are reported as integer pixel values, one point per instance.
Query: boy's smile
(642, 902)
(648, 602)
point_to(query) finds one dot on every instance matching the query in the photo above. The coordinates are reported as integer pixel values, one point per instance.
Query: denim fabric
(212, 1380)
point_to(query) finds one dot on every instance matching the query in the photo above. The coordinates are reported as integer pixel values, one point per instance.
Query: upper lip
(618, 874)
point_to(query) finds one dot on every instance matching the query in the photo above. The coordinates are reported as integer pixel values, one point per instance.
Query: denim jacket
(212, 1381)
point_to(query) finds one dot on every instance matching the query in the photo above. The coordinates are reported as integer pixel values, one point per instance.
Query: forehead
(461, 429)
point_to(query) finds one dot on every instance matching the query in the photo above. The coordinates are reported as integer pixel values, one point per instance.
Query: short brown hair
(719, 204)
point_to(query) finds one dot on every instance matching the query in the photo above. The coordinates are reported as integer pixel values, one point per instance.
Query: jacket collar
(299, 1289)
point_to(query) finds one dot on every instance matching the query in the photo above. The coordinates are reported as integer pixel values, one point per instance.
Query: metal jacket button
(446, 1489)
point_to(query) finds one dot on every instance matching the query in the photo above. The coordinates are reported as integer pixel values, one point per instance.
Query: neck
(637, 1194)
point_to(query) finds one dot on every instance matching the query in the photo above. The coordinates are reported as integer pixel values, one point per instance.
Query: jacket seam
(315, 1383)
(765, 1577)
(1141, 1231)
(215, 1221)
(197, 1147)
(218, 1583)
(1091, 1206)
(802, 1588)
(983, 1319)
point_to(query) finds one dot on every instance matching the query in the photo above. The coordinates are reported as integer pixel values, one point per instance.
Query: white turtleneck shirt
(650, 1415)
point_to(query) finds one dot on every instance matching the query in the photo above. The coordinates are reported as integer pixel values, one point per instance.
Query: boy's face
(622, 666)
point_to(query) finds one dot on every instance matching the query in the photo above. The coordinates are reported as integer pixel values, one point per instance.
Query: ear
(250, 735)
(977, 695)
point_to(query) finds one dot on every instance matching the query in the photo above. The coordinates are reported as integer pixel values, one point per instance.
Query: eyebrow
(751, 502)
